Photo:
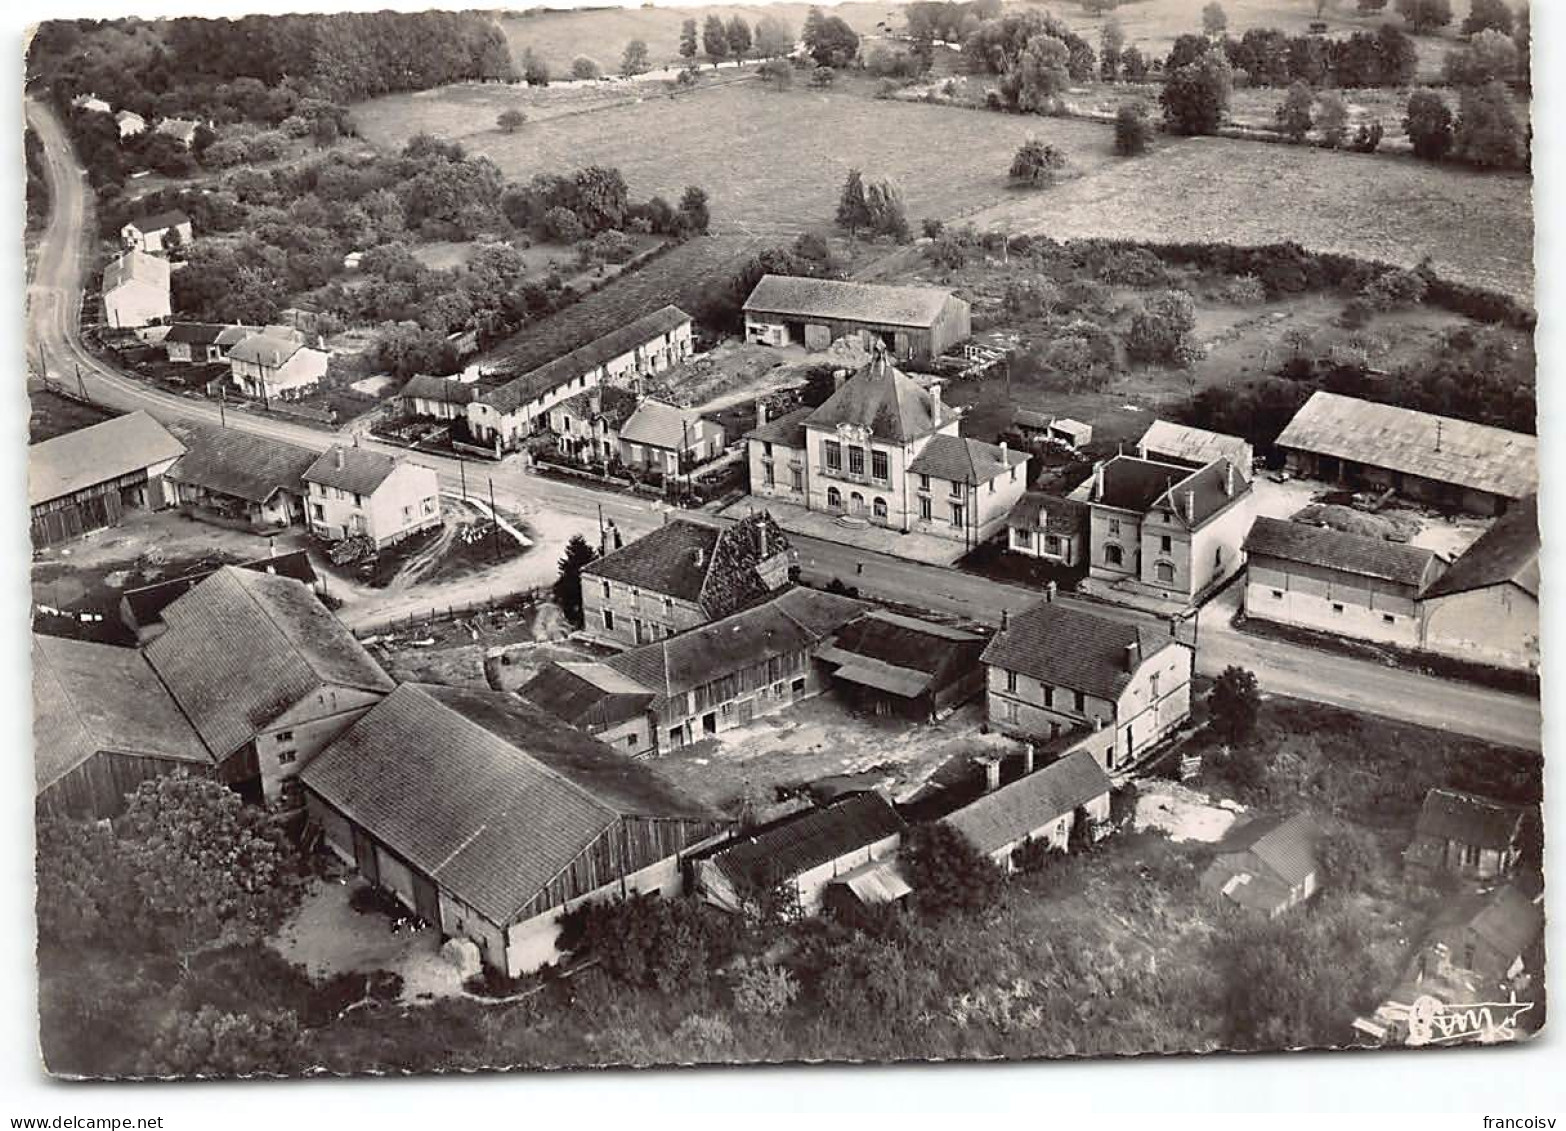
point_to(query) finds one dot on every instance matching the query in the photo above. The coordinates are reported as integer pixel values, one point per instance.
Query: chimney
(338, 452)
(1005, 619)
(1190, 507)
(1133, 655)
(761, 537)
(1228, 479)
(992, 769)
(1098, 481)
(1028, 752)
(699, 556)
(761, 412)
(1049, 593)
(838, 377)
(935, 399)
(1005, 454)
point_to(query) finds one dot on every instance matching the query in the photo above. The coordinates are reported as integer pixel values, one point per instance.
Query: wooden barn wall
(631, 844)
(97, 788)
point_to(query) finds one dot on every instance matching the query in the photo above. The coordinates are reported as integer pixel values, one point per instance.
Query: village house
(680, 575)
(231, 476)
(791, 864)
(913, 323)
(354, 492)
(1059, 430)
(102, 725)
(197, 343)
(1267, 867)
(1048, 526)
(886, 664)
(1326, 580)
(1165, 530)
(135, 290)
(588, 424)
(130, 123)
(883, 450)
(1056, 671)
(141, 608)
(597, 699)
(661, 437)
(92, 104)
(159, 233)
(507, 414)
(276, 364)
(84, 480)
(438, 398)
(182, 130)
(1485, 608)
(266, 675)
(1168, 442)
(1064, 803)
(490, 820)
(1432, 459)
(1467, 835)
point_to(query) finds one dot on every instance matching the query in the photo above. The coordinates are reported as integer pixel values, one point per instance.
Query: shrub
(584, 68)
(1247, 290)
(932, 228)
(645, 940)
(510, 121)
(1392, 290)
(1136, 267)
(947, 872)
(612, 246)
(1133, 129)
(1367, 138)
(707, 1038)
(1034, 856)
(563, 225)
(764, 991)
(1158, 329)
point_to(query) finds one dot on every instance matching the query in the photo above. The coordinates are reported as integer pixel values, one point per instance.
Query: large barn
(915, 323)
(84, 480)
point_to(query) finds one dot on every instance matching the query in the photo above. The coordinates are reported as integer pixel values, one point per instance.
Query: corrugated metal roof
(1074, 649)
(1322, 546)
(1467, 818)
(241, 464)
(800, 297)
(1195, 446)
(89, 456)
(1507, 553)
(1006, 815)
(809, 840)
(1439, 448)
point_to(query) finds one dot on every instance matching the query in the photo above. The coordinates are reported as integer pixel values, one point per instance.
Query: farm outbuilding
(886, 664)
(1269, 866)
(230, 477)
(1476, 837)
(1485, 608)
(85, 480)
(915, 323)
(1065, 799)
(1434, 459)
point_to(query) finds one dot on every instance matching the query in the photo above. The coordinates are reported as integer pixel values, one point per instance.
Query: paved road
(54, 297)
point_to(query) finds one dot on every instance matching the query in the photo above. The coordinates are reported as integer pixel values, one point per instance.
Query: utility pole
(462, 470)
(223, 406)
(81, 385)
(494, 516)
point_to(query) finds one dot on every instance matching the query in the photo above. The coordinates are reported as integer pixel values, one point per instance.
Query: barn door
(364, 856)
(426, 900)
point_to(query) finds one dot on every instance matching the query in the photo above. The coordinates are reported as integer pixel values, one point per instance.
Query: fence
(438, 614)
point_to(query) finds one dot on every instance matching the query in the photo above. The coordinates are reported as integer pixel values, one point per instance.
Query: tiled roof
(1054, 514)
(352, 469)
(1068, 647)
(662, 425)
(136, 266)
(584, 359)
(446, 389)
(243, 647)
(1198, 447)
(587, 695)
(1467, 818)
(1008, 814)
(1507, 552)
(884, 400)
(159, 221)
(266, 348)
(961, 460)
(232, 335)
(195, 333)
(787, 430)
(487, 795)
(1357, 554)
(89, 456)
(1131, 483)
(1438, 448)
(147, 602)
(793, 621)
(90, 697)
(801, 297)
(808, 840)
(242, 464)
(665, 562)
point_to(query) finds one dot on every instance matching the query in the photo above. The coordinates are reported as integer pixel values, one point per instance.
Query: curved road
(55, 295)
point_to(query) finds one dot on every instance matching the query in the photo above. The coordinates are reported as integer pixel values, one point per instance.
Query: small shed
(1476, 837)
(886, 664)
(1047, 426)
(1269, 866)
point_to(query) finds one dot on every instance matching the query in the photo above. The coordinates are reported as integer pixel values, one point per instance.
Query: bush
(1136, 267)
(764, 991)
(612, 246)
(1393, 290)
(1247, 290)
(1159, 328)
(1367, 138)
(1133, 129)
(1234, 704)
(563, 225)
(932, 229)
(947, 872)
(584, 68)
(1034, 856)
(707, 1038)
(670, 944)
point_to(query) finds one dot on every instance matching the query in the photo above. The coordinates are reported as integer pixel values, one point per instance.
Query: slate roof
(159, 221)
(90, 697)
(484, 793)
(1054, 514)
(1508, 552)
(241, 464)
(267, 348)
(787, 430)
(195, 333)
(242, 647)
(832, 299)
(447, 389)
(1006, 815)
(1195, 446)
(1135, 484)
(1358, 554)
(136, 266)
(958, 459)
(146, 603)
(1068, 647)
(351, 469)
(884, 400)
(662, 425)
(588, 695)
(584, 359)
(1439, 448)
(1467, 818)
(808, 840)
(664, 562)
(77, 460)
(793, 621)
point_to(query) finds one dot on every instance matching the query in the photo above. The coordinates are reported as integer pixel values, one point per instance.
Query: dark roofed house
(488, 818)
(681, 575)
(662, 437)
(1269, 866)
(806, 854)
(1327, 580)
(142, 608)
(443, 398)
(1067, 798)
(103, 724)
(1048, 526)
(240, 476)
(158, 233)
(1056, 670)
(1467, 835)
(82, 481)
(914, 323)
(594, 697)
(194, 343)
(264, 673)
(887, 664)
(1485, 608)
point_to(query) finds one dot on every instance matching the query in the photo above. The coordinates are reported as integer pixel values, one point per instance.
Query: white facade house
(131, 124)
(158, 233)
(276, 364)
(356, 492)
(136, 291)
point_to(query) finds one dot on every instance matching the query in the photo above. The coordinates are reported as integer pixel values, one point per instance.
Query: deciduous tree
(1428, 124)
(1133, 129)
(1332, 119)
(688, 44)
(773, 38)
(852, 211)
(1036, 163)
(1215, 21)
(715, 39)
(633, 61)
(1234, 704)
(1425, 16)
(1489, 15)
(739, 37)
(1293, 115)
(510, 121)
(1488, 131)
(1196, 96)
(947, 872)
